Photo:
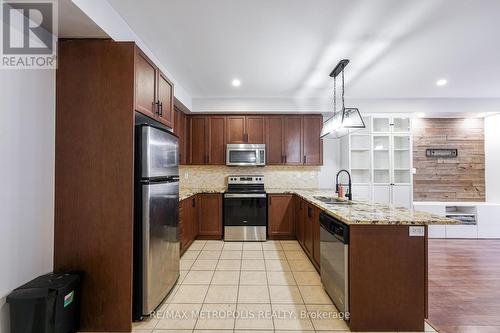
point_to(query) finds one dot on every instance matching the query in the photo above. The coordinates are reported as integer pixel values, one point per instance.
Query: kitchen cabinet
(245, 129)
(281, 216)
(166, 100)
(207, 135)
(153, 91)
(315, 236)
(101, 86)
(198, 140)
(216, 140)
(146, 75)
(188, 222)
(180, 129)
(308, 229)
(292, 140)
(300, 209)
(236, 129)
(210, 215)
(281, 222)
(312, 143)
(379, 158)
(255, 130)
(274, 140)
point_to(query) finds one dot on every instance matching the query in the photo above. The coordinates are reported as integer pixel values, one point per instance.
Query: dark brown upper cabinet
(216, 140)
(198, 140)
(154, 93)
(312, 145)
(146, 75)
(166, 100)
(274, 140)
(236, 129)
(254, 126)
(245, 129)
(292, 140)
(180, 129)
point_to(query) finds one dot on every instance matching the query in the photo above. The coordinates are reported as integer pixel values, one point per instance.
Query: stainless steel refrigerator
(156, 236)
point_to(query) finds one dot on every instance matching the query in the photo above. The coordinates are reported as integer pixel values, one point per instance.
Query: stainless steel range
(245, 209)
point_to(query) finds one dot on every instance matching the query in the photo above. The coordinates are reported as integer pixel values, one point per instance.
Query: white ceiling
(287, 48)
(73, 23)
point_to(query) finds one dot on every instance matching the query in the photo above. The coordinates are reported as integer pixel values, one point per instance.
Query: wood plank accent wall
(449, 179)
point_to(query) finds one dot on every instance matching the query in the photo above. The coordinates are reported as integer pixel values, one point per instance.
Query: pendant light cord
(334, 95)
(343, 89)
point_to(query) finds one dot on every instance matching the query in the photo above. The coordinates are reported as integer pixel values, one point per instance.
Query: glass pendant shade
(342, 123)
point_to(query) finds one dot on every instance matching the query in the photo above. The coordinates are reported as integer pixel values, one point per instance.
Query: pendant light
(345, 121)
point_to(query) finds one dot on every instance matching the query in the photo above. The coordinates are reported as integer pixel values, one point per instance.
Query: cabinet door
(401, 196)
(145, 85)
(315, 235)
(217, 140)
(198, 140)
(308, 230)
(382, 193)
(235, 132)
(254, 126)
(280, 216)
(186, 219)
(210, 215)
(181, 132)
(274, 140)
(300, 208)
(313, 145)
(166, 100)
(293, 140)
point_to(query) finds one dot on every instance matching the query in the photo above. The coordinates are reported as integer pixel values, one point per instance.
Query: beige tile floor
(246, 287)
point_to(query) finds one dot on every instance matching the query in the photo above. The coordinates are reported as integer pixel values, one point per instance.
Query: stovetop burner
(245, 184)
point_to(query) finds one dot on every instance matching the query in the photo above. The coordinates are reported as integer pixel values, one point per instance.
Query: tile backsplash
(297, 177)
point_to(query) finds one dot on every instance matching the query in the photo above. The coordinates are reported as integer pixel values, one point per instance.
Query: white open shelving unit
(480, 218)
(379, 158)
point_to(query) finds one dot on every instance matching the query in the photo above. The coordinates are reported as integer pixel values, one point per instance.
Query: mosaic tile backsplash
(206, 177)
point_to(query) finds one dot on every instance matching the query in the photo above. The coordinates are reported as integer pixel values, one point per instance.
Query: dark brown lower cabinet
(188, 222)
(281, 216)
(300, 208)
(209, 215)
(387, 279)
(308, 234)
(315, 236)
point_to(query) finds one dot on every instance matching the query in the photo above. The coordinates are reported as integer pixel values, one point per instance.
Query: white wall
(492, 157)
(27, 112)
(331, 163)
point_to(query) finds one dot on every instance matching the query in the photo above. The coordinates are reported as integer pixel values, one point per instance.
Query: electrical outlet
(186, 175)
(414, 171)
(417, 231)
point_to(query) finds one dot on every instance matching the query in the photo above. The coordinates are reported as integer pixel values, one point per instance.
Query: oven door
(245, 216)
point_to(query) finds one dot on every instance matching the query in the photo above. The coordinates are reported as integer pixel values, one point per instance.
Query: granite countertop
(359, 212)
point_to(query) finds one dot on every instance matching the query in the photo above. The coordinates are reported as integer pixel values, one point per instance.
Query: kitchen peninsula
(386, 255)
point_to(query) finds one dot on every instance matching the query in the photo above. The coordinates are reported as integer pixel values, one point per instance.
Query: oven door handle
(243, 195)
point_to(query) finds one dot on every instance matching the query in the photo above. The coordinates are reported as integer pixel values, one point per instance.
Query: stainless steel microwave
(246, 154)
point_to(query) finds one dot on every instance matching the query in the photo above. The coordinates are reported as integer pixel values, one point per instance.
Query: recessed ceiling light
(420, 114)
(236, 83)
(441, 82)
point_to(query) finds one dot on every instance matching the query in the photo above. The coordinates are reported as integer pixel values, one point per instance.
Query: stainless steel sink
(332, 200)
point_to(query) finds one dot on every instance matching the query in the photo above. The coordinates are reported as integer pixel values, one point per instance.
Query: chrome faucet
(349, 193)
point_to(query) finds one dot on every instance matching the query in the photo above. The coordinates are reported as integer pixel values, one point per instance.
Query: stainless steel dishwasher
(334, 260)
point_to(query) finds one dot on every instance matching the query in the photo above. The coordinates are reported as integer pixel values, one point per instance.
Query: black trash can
(48, 304)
